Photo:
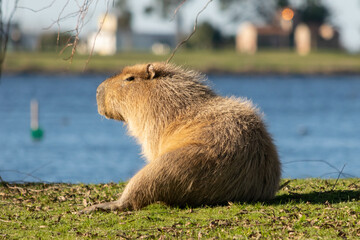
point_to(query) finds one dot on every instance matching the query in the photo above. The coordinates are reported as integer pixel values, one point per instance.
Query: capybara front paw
(88, 210)
(107, 206)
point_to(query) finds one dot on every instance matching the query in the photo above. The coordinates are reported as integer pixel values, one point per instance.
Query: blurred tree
(124, 14)
(167, 9)
(124, 19)
(313, 11)
(206, 37)
(250, 10)
(283, 3)
(5, 24)
(259, 9)
(53, 41)
(314, 14)
(235, 11)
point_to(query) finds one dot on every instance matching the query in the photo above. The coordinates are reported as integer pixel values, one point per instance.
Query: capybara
(201, 148)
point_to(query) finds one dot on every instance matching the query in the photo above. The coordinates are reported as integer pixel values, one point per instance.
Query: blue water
(314, 120)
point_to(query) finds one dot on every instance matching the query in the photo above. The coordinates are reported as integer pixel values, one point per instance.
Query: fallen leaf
(61, 199)
(84, 202)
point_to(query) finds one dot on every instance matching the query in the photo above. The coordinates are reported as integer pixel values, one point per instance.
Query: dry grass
(303, 209)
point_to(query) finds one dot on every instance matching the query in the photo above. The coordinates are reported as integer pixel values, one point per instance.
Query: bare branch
(338, 177)
(284, 184)
(5, 30)
(338, 171)
(177, 9)
(3, 182)
(322, 161)
(80, 23)
(58, 24)
(192, 33)
(30, 174)
(25, 174)
(81, 14)
(38, 10)
(98, 32)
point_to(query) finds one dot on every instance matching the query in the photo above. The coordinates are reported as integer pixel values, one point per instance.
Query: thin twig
(43, 190)
(5, 32)
(58, 24)
(98, 32)
(80, 23)
(322, 161)
(187, 228)
(74, 39)
(3, 182)
(325, 162)
(6, 221)
(338, 177)
(177, 9)
(23, 173)
(40, 9)
(284, 184)
(35, 170)
(345, 175)
(192, 33)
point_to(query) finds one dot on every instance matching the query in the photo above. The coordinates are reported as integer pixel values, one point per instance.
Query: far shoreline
(221, 62)
(208, 72)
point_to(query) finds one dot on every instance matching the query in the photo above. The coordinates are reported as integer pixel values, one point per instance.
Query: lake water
(314, 120)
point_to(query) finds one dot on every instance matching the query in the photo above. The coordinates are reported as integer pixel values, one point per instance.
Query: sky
(42, 15)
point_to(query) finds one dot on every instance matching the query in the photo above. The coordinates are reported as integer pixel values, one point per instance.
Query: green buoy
(36, 132)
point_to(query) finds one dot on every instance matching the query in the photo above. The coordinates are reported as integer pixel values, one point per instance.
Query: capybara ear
(151, 71)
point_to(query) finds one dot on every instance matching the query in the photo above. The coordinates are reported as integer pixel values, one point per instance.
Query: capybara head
(150, 89)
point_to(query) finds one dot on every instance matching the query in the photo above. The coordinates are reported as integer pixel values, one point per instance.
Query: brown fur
(201, 148)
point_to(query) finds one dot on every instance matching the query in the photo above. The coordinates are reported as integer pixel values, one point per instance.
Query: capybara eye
(130, 79)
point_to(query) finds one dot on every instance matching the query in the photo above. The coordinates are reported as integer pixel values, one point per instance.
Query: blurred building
(247, 38)
(114, 37)
(103, 41)
(146, 41)
(19, 40)
(282, 33)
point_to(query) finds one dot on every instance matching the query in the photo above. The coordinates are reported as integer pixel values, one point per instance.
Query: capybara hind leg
(107, 206)
(168, 180)
(142, 188)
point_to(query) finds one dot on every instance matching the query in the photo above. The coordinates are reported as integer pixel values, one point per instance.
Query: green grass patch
(228, 61)
(305, 209)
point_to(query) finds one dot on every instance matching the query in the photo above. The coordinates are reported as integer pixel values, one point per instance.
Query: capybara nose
(100, 98)
(100, 92)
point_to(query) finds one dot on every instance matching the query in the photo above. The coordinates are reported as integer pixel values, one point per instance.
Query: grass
(303, 209)
(265, 61)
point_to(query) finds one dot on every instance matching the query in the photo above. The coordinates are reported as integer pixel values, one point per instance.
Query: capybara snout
(100, 98)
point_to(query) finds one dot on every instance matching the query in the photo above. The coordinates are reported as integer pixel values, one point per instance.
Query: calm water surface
(313, 120)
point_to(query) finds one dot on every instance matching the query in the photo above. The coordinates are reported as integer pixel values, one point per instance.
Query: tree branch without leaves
(80, 16)
(80, 23)
(194, 29)
(177, 9)
(4, 32)
(37, 10)
(97, 34)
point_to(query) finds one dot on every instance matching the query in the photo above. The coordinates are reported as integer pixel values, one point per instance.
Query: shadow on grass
(315, 197)
(335, 196)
